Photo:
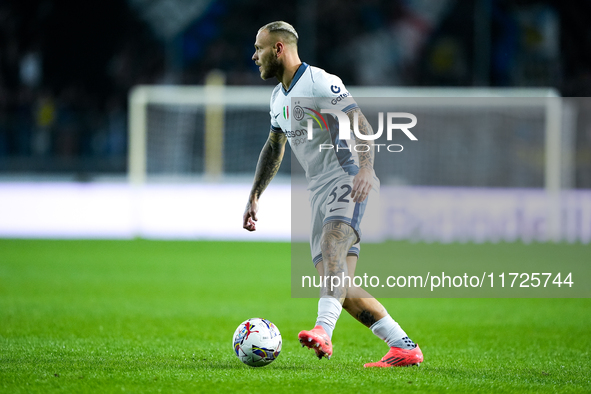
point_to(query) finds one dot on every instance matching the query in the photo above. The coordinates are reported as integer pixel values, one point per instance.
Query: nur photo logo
(344, 129)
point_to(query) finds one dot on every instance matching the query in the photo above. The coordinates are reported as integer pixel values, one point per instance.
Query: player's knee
(329, 243)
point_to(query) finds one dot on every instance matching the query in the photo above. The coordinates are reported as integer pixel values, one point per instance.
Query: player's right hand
(250, 216)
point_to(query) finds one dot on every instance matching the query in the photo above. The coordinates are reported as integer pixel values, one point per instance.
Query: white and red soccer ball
(257, 342)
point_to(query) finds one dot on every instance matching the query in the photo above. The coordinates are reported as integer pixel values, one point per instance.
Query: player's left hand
(362, 184)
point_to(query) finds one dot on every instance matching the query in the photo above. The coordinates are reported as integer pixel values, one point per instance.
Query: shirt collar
(295, 79)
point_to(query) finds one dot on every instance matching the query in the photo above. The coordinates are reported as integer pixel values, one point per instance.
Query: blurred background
(67, 71)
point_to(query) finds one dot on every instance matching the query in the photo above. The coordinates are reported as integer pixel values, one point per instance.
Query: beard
(271, 69)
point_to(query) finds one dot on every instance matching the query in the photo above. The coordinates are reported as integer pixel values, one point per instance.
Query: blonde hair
(283, 30)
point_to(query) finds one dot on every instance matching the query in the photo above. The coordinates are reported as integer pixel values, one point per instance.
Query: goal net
(509, 138)
(193, 132)
(468, 137)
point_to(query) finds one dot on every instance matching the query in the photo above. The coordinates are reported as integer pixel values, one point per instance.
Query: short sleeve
(275, 128)
(274, 125)
(332, 93)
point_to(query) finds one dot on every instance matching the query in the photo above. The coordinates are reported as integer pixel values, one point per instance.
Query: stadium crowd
(66, 68)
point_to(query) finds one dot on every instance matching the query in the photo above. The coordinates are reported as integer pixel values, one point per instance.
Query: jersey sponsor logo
(296, 133)
(335, 100)
(335, 89)
(297, 137)
(298, 141)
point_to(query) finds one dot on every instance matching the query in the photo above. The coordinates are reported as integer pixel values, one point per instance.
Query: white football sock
(329, 310)
(391, 333)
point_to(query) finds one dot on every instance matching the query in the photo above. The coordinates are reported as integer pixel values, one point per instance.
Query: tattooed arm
(363, 180)
(267, 166)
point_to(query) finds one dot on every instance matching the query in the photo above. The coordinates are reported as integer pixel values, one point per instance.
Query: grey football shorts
(333, 202)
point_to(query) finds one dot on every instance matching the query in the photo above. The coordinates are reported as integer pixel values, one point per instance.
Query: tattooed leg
(366, 310)
(359, 303)
(337, 238)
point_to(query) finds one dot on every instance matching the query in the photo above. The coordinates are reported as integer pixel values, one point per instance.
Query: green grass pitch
(149, 316)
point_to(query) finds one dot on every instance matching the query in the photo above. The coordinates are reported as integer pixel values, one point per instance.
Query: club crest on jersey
(286, 112)
(298, 113)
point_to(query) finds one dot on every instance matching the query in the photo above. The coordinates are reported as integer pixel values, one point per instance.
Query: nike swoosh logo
(335, 209)
(275, 116)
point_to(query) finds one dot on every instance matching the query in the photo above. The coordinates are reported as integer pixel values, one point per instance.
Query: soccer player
(335, 222)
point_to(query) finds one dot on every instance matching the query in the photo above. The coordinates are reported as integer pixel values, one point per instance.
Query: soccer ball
(257, 342)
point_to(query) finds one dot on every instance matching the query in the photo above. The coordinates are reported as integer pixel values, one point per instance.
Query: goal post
(214, 100)
(214, 124)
